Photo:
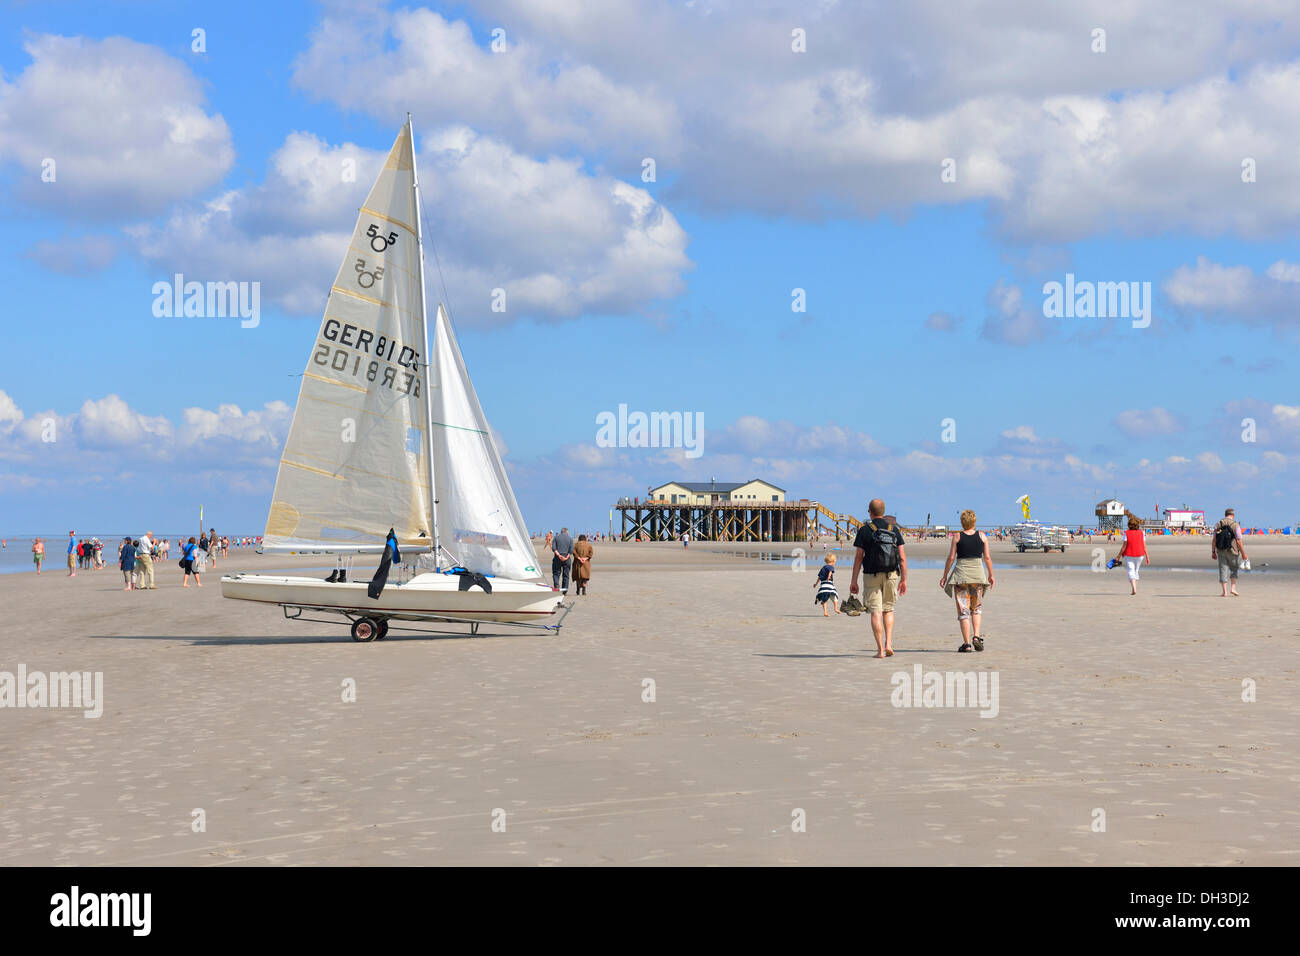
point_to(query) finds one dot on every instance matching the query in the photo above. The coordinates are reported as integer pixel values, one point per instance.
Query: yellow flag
(1023, 501)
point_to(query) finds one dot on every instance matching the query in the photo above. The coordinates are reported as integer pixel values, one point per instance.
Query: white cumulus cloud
(1237, 293)
(1062, 141)
(123, 124)
(558, 240)
(1147, 422)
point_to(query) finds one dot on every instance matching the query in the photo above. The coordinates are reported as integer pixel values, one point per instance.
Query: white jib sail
(354, 464)
(478, 518)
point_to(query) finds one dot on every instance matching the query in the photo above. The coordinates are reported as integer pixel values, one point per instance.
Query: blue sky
(777, 170)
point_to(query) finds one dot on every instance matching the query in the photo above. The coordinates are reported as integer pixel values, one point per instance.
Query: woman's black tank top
(970, 545)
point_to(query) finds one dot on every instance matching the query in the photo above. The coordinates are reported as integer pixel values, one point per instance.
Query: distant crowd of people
(136, 556)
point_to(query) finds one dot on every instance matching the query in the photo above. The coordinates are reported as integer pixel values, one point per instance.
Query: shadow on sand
(343, 638)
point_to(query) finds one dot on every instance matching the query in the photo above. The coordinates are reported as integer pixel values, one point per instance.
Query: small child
(825, 585)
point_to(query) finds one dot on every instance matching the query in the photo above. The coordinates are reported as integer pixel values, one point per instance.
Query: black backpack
(1224, 537)
(882, 549)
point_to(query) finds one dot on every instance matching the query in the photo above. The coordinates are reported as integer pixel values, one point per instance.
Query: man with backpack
(1227, 547)
(878, 555)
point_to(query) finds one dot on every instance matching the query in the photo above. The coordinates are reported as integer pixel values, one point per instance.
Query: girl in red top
(1134, 551)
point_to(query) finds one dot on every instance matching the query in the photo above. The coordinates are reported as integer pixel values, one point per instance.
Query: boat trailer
(370, 627)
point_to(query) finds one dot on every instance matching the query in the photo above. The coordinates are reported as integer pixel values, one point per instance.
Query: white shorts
(1132, 564)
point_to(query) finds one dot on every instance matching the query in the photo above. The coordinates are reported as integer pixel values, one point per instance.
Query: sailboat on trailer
(388, 434)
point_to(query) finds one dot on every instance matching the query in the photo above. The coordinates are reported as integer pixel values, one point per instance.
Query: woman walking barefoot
(1134, 551)
(967, 573)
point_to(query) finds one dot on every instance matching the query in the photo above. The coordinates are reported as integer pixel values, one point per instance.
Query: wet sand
(1131, 706)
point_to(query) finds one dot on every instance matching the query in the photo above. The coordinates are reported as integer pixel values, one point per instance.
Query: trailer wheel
(1021, 548)
(383, 630)
(365, 629)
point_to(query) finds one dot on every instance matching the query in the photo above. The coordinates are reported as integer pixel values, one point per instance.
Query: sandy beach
(762, 709)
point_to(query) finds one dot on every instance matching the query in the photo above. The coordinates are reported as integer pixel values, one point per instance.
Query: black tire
(365, 629)
(383, 630)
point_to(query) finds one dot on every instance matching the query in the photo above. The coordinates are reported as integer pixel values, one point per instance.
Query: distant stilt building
(1111, 515)
(753, 510)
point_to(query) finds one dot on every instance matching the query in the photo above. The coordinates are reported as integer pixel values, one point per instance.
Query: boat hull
(426, 596)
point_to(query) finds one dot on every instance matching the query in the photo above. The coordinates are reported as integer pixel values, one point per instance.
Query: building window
(775, 498)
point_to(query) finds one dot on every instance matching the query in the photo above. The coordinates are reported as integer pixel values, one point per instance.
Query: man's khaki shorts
(880, 591)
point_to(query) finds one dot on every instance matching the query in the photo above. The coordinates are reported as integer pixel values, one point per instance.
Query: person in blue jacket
(127, 563)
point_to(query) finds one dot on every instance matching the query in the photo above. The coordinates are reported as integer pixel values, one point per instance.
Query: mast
(428, 359)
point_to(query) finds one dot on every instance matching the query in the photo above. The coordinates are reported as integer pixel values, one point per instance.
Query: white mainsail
(355, 462)
(478, 518)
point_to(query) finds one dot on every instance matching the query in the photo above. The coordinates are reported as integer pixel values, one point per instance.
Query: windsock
(1023, 501)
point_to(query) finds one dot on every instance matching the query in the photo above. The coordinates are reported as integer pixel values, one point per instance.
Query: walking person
(138, 574)
(561, 560)
(146, 547)
(38, 553)
(967, 574)
(879, 556)
(189, 554)
(126, 561)
(1228, 548)
(582, 555)
(825, 585)
(72, 554)
(1134, 551)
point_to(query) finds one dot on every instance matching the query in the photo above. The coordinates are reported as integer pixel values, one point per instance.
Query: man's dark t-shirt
(882, 525)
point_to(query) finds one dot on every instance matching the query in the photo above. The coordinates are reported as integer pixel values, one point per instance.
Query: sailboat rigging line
(417, 194)
(442, 281)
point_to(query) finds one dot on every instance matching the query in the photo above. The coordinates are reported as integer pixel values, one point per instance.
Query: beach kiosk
(1110, 515)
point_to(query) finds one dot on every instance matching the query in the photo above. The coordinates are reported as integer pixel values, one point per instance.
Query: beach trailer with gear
(1031, 535)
